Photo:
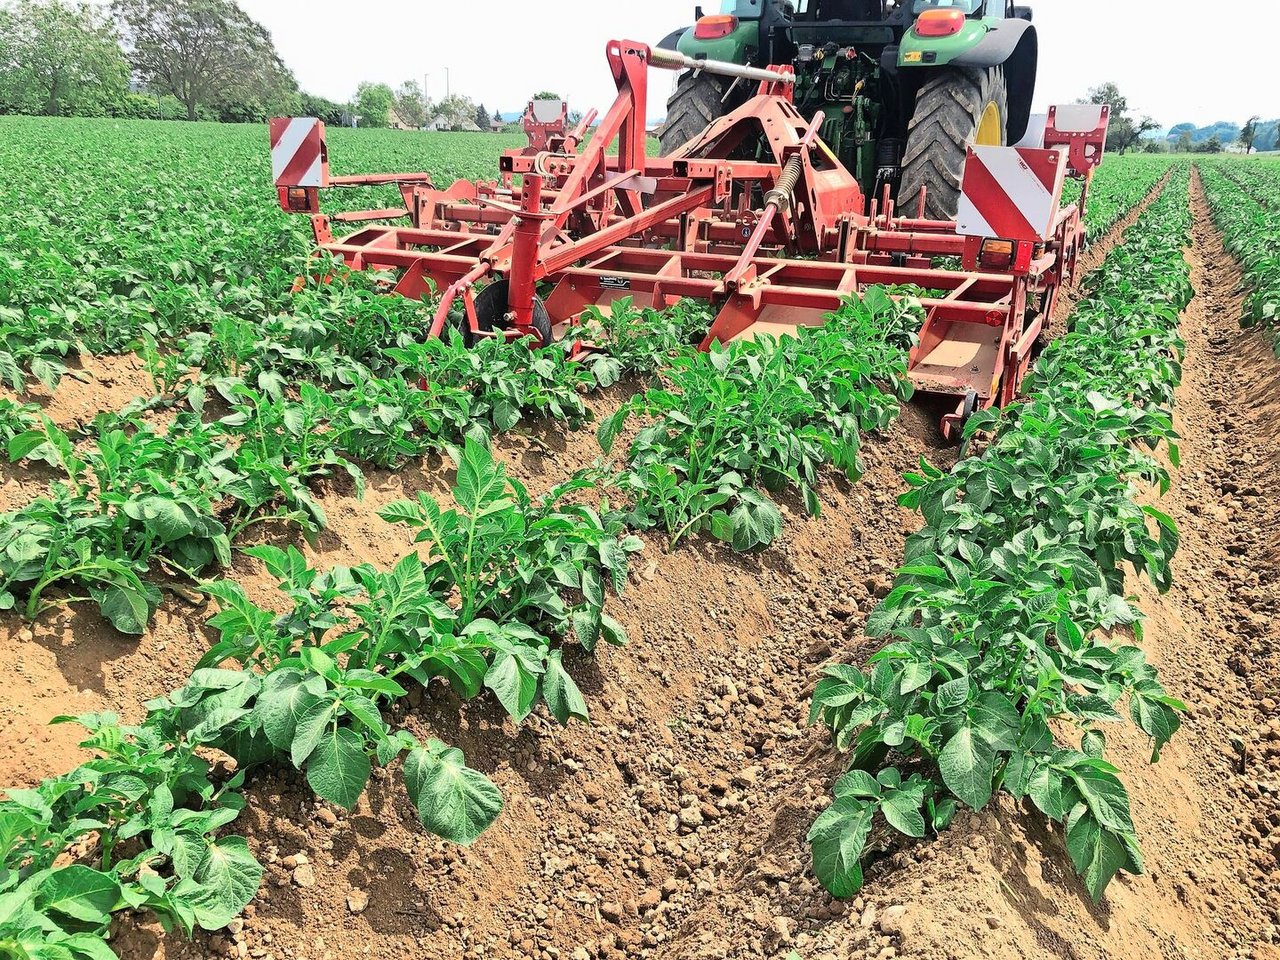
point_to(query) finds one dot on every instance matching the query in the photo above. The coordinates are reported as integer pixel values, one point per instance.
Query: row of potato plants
(506, 581)
(1005, 660)
(1256, 176)
(1251, 230)
(1118, 185)
(134, 502)
(726, 429)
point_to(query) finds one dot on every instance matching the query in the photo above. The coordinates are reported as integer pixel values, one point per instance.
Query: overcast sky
(1174, 59)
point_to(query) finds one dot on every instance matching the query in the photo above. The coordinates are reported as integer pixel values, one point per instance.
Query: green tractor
(904, 84)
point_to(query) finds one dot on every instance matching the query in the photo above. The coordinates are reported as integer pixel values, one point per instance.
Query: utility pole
(446, 82)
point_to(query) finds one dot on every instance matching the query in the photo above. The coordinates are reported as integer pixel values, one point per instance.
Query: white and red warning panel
(298, 155)
(1011, 193)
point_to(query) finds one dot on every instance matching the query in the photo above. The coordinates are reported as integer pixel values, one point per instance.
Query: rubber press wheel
(955, 107)
(491, 314)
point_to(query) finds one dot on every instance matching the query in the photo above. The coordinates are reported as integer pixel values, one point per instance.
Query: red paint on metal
(597, 226)
(278, 126)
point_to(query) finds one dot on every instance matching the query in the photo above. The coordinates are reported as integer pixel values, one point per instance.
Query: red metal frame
(713, 221)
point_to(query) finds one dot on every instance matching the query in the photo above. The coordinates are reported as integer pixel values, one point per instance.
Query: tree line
(179, 59)
(1254, 134)
(378, 105)
(1127, 131)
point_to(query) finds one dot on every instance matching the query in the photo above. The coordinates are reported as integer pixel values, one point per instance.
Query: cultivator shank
(754, 216)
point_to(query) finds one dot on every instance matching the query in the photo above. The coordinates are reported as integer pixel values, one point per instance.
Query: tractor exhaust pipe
(674, 60)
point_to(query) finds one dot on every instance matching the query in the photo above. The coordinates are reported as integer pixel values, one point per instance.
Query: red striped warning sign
(297, 152)
(1010, 193)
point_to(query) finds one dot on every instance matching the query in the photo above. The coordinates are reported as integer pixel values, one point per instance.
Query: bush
(136, 106)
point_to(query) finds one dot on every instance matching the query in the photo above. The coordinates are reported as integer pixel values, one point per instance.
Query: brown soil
(673, 825)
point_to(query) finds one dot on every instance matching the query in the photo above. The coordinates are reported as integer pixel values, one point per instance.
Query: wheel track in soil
(593, 855)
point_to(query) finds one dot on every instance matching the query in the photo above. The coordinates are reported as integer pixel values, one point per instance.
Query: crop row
(1242, 199)
(135, 501)
(1117, 186)
(999, 616)
(506, 580)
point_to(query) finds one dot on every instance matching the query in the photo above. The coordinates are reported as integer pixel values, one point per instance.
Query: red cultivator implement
(754, 216)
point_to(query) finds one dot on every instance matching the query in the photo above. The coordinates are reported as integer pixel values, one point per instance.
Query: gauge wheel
(491, 314)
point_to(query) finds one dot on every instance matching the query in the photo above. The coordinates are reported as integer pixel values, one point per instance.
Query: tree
(204, 52)
(411, 105)
(322, 109)
(1109, 94)
(1212, 145)
(58, 58)
(1268, 134)
(1249, 133)
(547, 95)
(373, 103)
(455, 112)
(482, 117)
(1184, 142)
(1123, 131)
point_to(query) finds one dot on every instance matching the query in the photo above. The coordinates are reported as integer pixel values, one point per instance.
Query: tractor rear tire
(956, 107)
(699, 100)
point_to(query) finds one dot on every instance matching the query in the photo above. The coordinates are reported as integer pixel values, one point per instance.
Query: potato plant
(1242, 199)
(763, 413)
